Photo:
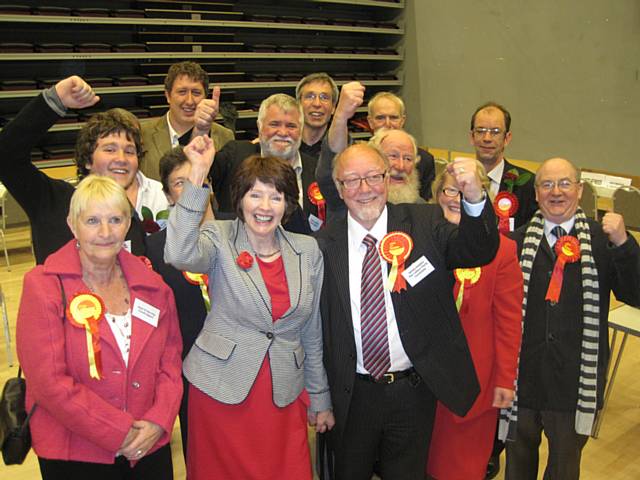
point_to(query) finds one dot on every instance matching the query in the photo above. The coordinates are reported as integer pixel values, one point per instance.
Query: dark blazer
(550, 355)
(526, 195)
(227, 160)
(427, 172)
(429, 326)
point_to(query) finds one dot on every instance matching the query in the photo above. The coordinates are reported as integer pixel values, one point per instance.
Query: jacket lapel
(397, 221)
(293, 268)
(337, 258)
(161, 141)
(140, 332)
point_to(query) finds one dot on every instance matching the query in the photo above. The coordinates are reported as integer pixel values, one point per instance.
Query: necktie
(558, 232)
(373, 317)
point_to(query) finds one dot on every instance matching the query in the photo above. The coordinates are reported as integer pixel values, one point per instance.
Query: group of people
(411, 319)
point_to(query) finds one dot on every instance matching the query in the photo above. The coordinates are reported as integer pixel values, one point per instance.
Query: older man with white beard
(280, 123)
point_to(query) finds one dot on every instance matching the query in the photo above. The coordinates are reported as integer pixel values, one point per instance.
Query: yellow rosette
(395, 248)
(85, 311)
(465, 277)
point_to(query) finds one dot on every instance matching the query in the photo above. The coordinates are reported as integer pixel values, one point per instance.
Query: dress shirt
(495, 175)
(356, 233)
(150, 195)
(173, 135)
(549, 226)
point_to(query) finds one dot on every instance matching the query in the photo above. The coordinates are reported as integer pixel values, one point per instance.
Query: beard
(288, 153)
(408, 192)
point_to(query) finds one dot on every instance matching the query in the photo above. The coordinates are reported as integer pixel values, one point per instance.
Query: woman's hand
(148, 433)
(200, 153)
(323, 421)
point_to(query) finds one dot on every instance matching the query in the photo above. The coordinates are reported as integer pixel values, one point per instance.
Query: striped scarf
(587, 385)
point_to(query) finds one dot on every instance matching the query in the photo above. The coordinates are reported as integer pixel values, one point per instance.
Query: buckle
(388, 378)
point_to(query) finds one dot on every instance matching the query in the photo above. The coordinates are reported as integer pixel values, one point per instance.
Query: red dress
(491, 319)
(254, 440)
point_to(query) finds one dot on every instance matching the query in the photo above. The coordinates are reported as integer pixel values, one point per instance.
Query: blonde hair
(101, 190)
(389, 96)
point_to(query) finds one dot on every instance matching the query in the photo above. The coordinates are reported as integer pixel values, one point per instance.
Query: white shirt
(121, 328)
(356, 233)
(150, 195)
(495, 175)
(173, 135)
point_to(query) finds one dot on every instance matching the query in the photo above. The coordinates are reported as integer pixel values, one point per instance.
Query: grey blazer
(239, 331)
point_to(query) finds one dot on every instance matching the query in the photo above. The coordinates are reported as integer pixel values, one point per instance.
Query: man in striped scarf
(565, 346)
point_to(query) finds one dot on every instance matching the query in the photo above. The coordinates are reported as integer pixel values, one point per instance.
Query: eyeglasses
(480, 131)
(451, 191)
(564, 185)
(354, 183)
(311, 97)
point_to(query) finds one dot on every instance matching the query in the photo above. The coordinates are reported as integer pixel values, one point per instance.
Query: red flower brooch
(245, 260)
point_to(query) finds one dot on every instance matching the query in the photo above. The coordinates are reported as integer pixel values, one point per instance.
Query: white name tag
(512, 224)
(418, 270)
(127, 245)
(145, 312)
(314, 222)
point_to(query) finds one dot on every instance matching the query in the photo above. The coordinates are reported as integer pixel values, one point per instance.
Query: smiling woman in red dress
(489, 301)
(255, 370)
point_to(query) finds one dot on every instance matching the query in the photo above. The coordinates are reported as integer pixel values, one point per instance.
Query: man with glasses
(318, 95)
(570, 264)
(490, 134)
(391, 349)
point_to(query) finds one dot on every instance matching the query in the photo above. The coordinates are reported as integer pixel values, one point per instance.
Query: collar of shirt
(495, 175)
(548, 226)
(173, 135)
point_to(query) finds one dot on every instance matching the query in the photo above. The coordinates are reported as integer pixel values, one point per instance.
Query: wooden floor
(613, 456)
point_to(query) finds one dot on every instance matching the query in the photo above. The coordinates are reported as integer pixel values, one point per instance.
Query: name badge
(418, 271)
(127, 245)
(512, 224)
(145, 312)
(314, 222)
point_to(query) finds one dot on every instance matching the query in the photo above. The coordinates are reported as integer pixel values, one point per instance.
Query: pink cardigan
(77, 417)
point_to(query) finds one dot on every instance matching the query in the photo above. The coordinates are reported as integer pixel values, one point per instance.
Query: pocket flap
(215, 344)
(299, 356)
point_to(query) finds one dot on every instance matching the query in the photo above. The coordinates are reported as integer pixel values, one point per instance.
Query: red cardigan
(491, 320)
(77, 417)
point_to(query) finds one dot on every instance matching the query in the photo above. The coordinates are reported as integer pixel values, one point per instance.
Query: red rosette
(505, 205)
(567, 249)
(317, 199)
(245, 260)
(395, 248)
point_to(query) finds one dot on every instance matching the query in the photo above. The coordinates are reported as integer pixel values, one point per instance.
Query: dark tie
(558, 232)
(373, 316)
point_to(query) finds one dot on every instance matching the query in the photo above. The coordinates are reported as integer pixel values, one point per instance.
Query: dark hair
(113, 121)
(505, 112)
(270, 170)
(171, 160)
(189, 69)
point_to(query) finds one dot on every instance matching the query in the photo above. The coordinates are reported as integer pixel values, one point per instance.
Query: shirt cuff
(474, 209)
(53, 100)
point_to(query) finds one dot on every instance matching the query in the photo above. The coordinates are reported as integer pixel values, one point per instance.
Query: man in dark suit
(280, 121)
(565, 342)
(490, 134)
(390, 354)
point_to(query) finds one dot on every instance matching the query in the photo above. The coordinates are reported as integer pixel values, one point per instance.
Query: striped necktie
(373, 316)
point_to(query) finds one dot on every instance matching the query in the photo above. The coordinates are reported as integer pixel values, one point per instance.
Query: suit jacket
(526, 195)
(551, 341)
(239, 331)
(227, 160)
(156, 141)
(80, 418)
(426, 314)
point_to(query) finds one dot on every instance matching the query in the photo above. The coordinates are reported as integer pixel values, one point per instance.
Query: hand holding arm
(74, 92)
(200, 152)
(351, 98)
(148, 433)
(206, 113)
(613, 227)
(465, 172)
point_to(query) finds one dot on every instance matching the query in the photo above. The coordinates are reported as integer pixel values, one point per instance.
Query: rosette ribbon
(317, 199)
(567, 249)
(201, 280)
(466, 278)
(395, 248)
(86, 311)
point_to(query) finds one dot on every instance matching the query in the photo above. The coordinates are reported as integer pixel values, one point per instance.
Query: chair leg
(4, 246)
(7, 332)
